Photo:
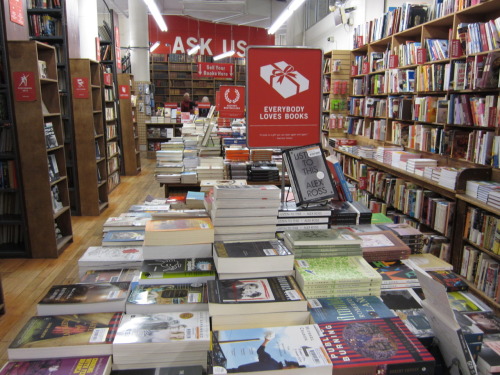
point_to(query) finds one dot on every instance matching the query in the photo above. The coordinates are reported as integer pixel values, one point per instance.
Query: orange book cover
(179, 224)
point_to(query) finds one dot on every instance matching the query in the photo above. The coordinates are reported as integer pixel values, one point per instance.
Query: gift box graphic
(284, 79)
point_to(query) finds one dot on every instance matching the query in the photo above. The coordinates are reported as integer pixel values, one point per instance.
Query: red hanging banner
(16, 11)
(81, 88)
(215, 70)
(118, 54)
(284, 96)
(232, 101)
(24, 86)
(97, 49)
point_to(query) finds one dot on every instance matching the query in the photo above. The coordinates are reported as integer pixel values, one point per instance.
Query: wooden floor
(25, 281)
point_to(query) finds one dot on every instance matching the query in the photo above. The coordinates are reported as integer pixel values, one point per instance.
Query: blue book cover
(335, 309)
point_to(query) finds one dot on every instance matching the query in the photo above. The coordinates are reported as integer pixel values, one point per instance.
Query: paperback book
(100, 365)
(123, 238)
(108, 276)
(168, 271)
(179, 232)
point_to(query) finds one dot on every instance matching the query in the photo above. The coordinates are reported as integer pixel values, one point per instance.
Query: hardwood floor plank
(25, 281)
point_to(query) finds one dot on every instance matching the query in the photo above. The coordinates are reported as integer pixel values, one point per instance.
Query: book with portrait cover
(100, 365)
(271, 294)
(309, 175)
(168, 271)
(85, 334)
(338, 309)
(262, 350)
(167, 297)
(373, 346)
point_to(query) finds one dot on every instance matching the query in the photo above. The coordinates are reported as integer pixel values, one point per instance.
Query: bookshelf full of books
(128, 125)
(12, 214)
(158, 132)
(175, 74)
(89, 136)
(325, 90)
(41, 147)
(339, 90)
(48, 23)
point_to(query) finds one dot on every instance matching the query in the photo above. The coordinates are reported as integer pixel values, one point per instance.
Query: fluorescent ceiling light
(154, 46)
(285, 15)
(194, 49)
(153, 9)
(225, 54)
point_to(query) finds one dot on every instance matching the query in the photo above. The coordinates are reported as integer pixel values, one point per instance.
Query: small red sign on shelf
(108, 79)
(393, 61)
(81, 88)
(456, 49)
(421, 56)
(24, 86)
(215, 70)
(124, 91)
(232, 101)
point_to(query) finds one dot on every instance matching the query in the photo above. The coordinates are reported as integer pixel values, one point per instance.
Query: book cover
(401, 299)
(165, 269)
(339, 309)
(111, 254)
(124, 221)
(178, 225)
(50, 135)
(86, 293)
(450, 280)
(427, 262)
(385, 240)
(265, 349)
(175, 370)
(375, 346)
(123, 236)
(58, 331)
(251, 291)
(309, 175)
(100, 365)
(486, 321)
(168, 294)
(250, 249)
(465, 302)
(328, 237)
(108, 276)
(163, 327)
(395, 272)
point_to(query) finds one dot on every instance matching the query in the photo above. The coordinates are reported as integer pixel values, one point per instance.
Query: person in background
(187, 105)
(203, 112)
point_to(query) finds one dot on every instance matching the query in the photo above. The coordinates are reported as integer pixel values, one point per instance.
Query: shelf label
(456, 48)
(81, 88)
(216, 70)
(16, 11)
(365, 68)
(284, 96)
(232, 101)
(393, 61)
(108, 79)
(24, 86)
(421, 56)
(124, 91)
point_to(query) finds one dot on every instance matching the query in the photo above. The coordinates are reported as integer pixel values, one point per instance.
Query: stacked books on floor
(245, 212)
(210, 168)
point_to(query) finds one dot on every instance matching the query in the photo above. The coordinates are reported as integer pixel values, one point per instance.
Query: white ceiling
(258, 13)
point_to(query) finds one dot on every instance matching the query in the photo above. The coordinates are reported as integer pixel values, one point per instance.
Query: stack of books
(207, 185)
(322, 243)
(310, 217)
(131, 237)
(108, 258)
(415, 165)
(237, 170)
(472, 189)
(237, 153)
(245, 212)
(384, 154)
(411, 236)
(125, 223)
(210, 168)
(448, 177)
(337, 277)
(169, 162)
(395, 274)
(264, 171)
(383, 245)
(261, 155)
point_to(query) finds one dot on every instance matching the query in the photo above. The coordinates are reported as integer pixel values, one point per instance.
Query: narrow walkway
(25, 281)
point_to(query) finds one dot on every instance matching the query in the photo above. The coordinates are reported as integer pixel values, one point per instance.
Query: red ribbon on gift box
(288, 72)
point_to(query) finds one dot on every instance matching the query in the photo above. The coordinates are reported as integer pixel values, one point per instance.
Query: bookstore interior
(268, 187)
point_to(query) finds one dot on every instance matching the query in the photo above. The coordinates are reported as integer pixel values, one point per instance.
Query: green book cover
(380, 218)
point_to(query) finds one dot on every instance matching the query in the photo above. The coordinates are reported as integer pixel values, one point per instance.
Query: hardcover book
(450, 280)
(50, 135)
(123, 238)
(262, 350)
(272, 294)
(486, 321)
(167, 297)
(84, 298)
(341, 309)
(125, 223)
(177, 270)
(60, 366)
(309, 175)
(87, 334)
(373, 346)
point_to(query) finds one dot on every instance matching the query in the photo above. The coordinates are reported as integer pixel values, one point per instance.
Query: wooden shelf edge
(490, 302)
(483, 249)
(62, 242)
(476, 202)
(103, 206)
(61, 211)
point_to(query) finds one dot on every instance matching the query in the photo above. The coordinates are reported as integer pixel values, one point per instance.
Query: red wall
(185, 32)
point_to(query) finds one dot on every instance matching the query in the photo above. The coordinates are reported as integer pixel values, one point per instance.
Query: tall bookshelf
(408, 91)
(128, 124)
(89, 136)
(60, 31)
(43, 165)
(13, 242)
(174, 74)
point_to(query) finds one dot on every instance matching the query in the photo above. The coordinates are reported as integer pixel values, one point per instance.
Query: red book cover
(484, 38)
(456, 48)
(375, 346)
(366, 68)
(393, 61)
(421, 56)
(354, 70)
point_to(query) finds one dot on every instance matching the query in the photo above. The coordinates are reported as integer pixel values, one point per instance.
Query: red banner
(232, 101)
(118, 53)
(81, 88)
(107, 78)
(170, 105)
(124, 91)
(203, 105)
(213, 38)
(215, 70)
(16, 11)
(24, 86)
(284, 96)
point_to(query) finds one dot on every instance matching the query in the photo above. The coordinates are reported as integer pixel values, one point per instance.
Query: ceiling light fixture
(153, 9)
(225, 54)
(154, 46)
(285, 15)
(193, 50)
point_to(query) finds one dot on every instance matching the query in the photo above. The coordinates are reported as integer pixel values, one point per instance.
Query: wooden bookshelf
(61, 31)
(128, 125)
(89, 136)
(154, 140)
(13, 241)
(49, 220)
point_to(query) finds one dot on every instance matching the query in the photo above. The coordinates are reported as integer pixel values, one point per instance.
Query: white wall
(87, 22)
